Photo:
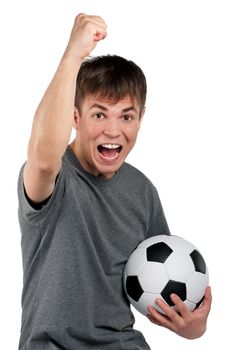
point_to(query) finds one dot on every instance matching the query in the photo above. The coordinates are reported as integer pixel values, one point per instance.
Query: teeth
(108, 145)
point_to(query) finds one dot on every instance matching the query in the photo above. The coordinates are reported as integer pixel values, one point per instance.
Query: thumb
(206, 306)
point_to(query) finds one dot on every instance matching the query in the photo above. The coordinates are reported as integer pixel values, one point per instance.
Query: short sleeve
(157, 221)
(27, 211)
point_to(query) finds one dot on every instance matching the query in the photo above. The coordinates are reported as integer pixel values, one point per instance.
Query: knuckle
(79, 17)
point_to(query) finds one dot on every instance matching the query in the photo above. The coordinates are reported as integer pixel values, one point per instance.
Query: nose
(112, 128)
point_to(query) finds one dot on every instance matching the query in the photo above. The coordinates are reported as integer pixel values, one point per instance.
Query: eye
(128, 117)
(98, 116)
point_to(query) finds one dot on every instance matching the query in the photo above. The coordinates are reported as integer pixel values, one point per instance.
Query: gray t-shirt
(74, 250)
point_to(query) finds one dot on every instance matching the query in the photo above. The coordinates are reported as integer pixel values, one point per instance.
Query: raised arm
(52, 124)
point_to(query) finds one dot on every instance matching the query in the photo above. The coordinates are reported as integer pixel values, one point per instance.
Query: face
(106, 133)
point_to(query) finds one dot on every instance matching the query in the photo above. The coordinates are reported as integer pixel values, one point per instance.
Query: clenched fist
(86, 32)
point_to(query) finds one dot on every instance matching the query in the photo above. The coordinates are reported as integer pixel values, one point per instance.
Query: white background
(184, 145)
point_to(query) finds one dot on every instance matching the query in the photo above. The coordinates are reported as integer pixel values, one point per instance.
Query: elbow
(45, 162)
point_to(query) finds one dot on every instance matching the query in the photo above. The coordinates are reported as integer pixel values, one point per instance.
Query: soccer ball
(162, 265)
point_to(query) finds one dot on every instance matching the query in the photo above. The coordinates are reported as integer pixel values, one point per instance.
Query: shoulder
(136, 181)
(35, 211)
(137, 176)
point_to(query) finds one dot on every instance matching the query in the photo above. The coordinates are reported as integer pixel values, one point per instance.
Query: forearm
(53, 119)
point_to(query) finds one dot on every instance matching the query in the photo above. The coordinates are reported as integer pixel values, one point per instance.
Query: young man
(82, 209)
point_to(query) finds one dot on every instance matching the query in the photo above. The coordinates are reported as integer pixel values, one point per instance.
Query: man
(82, 209)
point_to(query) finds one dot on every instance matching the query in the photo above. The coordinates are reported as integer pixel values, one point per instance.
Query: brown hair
(110, 77)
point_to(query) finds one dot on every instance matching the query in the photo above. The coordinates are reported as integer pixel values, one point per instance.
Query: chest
(106, 225)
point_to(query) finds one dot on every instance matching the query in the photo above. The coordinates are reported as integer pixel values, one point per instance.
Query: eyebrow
(127, 109)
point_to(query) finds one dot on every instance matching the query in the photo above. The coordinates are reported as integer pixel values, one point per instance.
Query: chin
(107, 167)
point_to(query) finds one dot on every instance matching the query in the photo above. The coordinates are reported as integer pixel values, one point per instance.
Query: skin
(102, 122)
(53, 120)
(183, 322)
(51, 130)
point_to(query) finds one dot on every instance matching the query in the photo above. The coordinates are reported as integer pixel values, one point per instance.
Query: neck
(84, 163)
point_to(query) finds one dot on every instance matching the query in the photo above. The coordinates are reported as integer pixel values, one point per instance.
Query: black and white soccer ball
(162, 265)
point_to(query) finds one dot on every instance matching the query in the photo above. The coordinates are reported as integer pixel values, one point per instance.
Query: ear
(76, 117)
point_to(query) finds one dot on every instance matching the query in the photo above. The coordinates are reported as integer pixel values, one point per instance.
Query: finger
(99, 24)
(175, 320)
(206, 306)
(81, 14)
(100, 27)
(159, 318)
(100, 35)
(168, 311)
(96, 20)
(93, 17)
(153, 320)
(180, 306)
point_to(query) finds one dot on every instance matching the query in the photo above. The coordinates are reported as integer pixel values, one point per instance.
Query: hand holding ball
(162, 265)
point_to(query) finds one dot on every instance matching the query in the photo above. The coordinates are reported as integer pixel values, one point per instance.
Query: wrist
(71, 60)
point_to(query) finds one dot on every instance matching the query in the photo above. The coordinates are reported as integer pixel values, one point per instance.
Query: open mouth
(109, 151)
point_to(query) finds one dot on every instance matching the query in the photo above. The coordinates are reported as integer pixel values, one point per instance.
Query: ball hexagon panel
(196, 286)
(179, 266)
(190, 306)
(148, 299)
(135, 263)
(179, 244)
(149, 280)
